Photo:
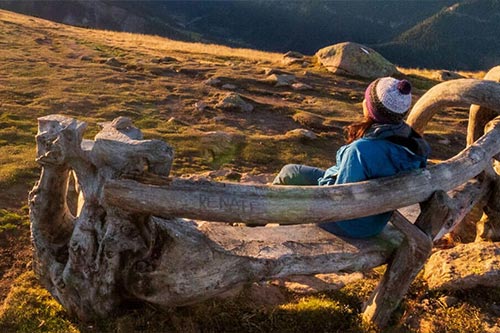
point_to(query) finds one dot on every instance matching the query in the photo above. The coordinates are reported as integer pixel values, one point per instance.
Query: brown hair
(357, 129)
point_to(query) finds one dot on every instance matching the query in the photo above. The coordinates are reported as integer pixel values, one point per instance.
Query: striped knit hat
(388, 100)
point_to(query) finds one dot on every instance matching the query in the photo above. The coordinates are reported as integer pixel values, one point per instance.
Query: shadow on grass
(30, 308)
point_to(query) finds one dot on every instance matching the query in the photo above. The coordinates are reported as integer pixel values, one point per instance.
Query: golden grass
(155, 45)
(146, 44)
(41, 72)
(431, 73)
(16, 162)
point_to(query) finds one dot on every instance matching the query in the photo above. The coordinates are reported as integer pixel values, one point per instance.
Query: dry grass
(146, 44)
(158, 46)
(431, 74)
(48, 68)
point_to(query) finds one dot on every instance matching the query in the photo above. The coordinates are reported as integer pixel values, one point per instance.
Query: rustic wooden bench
(131, 237)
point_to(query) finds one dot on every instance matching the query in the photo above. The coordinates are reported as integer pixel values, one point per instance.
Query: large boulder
(465, 266)
(355, 59)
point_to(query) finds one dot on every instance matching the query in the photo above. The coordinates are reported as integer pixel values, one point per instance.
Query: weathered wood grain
(460, 92)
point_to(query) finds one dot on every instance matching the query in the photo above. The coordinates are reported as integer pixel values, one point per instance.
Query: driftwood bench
(130, 238)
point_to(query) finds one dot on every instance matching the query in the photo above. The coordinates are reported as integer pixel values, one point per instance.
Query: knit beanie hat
(388, 99)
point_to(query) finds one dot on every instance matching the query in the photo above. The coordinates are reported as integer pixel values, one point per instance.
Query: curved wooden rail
(461, 92)
(229, 202)
(479, 115)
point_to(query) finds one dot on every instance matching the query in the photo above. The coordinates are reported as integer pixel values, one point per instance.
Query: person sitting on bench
(379, 145)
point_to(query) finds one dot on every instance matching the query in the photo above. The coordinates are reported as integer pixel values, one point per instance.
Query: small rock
(229, 86)
(309, 120)
(301, 86)
(113, 62)
(292, 57)
(167, 60)
(447, 75)
(213, 81)
(161, 71)
(234, 101)
(221, 173)
(281, 80)
(216, 143)
(193, 72)
(172, 121)
(123, 125)
(291, 61)
(293, 54)
(44, 41)
(200, 106)
(85, 58)
(264, 294)
(301, 133)
(270, 71)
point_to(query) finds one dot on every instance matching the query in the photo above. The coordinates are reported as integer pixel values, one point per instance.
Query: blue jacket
(385, 150)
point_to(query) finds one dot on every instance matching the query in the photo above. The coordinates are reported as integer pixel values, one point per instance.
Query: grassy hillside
(452, 34)
(95, 76)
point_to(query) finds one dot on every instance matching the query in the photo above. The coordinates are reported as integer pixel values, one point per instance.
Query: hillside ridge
(392, 28)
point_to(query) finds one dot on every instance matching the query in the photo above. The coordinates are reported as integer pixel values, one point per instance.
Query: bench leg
(408, 260)
(488, 228)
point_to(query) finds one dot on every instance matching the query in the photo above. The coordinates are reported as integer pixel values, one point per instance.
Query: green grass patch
(30, 308)
(10, 221)
(109, 51)
(17, 163)
(195, 152)
(315, 313)
(271, 153)
(459, 319)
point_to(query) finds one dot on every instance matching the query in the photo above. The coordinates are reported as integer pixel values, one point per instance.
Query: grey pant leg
(297, 174)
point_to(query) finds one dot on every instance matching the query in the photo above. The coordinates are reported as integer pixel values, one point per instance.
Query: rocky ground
(231, 115)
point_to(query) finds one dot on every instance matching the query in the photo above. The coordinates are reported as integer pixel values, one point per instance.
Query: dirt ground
(15, 244)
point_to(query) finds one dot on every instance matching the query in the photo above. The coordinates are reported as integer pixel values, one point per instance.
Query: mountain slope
(304, 26)
(409, 33)
(463, 36)
(137, 16)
